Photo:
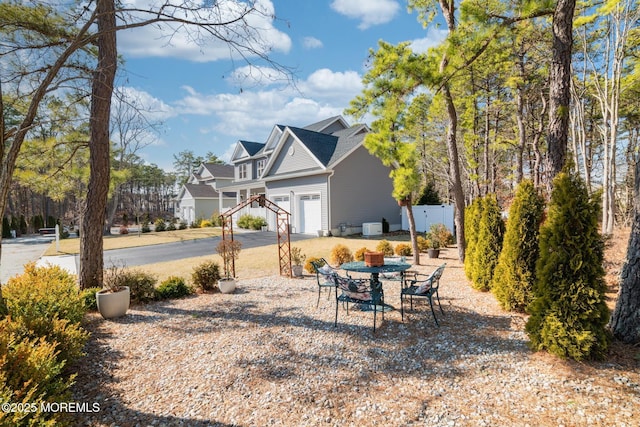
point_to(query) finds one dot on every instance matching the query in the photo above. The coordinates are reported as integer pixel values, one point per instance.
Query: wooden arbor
(282, 225)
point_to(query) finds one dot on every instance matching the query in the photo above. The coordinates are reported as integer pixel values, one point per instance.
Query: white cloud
(252, 114)
(369, 12)
(338, 87)
(434, 38)
(311, 43)
(193, 43)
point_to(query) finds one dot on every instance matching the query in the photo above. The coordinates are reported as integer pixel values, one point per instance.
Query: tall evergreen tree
(515, 273)
(489, 244)
(569, 313)
(472, 216)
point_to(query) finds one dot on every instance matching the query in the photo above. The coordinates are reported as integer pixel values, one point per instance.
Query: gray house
(201, 197)
(321, 174)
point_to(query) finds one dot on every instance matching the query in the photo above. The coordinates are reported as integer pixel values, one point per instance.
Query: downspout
(329, 201)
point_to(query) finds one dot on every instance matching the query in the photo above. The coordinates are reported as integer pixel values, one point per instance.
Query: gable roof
(321, 145)
(323, 124)
(219, 170)
(201, 191)
(252, 148)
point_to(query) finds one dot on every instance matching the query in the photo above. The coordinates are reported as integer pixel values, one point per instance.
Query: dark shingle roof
(321, 145)
(201, 190)
(345, 145)
(219, 170)
(252, 147)
(317, 127)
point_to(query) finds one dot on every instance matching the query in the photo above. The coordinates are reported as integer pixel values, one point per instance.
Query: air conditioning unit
(372, 229)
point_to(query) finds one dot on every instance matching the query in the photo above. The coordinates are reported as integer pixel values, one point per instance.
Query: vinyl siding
(361, 191)
(300, 160)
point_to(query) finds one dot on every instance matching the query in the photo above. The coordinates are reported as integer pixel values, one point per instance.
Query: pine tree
(569, 313)
(515, 273)
(488, 245)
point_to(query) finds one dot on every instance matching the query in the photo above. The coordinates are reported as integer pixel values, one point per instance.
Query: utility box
(372, 229)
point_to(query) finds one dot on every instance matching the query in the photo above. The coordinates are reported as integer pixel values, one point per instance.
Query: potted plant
(113, 300)
(229, 251)
(297, 260)
(437, 237)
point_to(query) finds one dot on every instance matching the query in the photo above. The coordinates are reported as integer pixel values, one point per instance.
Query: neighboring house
(321, 174)
(201, 197)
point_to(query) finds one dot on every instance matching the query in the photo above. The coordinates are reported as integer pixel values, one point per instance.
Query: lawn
(120, 241)
(263, 261)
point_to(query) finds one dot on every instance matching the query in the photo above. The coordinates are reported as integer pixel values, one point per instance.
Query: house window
(242, 171)
(260, 166)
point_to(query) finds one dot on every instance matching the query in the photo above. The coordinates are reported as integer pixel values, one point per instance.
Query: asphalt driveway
(17, 252)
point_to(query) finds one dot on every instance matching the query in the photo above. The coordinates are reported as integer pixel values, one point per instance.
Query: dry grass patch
(261, 261)
(121, 241)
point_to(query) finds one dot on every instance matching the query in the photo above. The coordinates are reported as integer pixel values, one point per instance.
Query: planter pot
(433, 253)
(374, 259)
(296, 270)
(227, 286)
(113, 304)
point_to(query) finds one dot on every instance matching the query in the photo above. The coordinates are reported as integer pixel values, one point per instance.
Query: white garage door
(310, 214)
(283, 202)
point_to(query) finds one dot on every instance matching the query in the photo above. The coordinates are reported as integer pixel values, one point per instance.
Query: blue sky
(195, 92)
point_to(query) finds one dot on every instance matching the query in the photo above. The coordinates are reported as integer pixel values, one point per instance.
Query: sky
(206, 101)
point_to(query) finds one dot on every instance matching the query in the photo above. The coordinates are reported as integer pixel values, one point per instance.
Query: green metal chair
(423, 288)
(323, 272)
(357, 291)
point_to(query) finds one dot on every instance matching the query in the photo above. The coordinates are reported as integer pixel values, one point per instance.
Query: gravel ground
(266, 356)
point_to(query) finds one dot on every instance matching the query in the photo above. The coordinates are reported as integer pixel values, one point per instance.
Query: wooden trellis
(282, 225)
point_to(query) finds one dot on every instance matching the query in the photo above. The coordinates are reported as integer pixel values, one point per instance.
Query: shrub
(173, 287)
(385, 247)
(141, 284)
(23, 225)
(251, 222)
(514, 275)
(206, 275)
(205, 223)
(359, 254)
(43, 292)
(215, 219)
(472, 216)
(340, 254)
(297, 257)
(183, 225)
(403, 249)
(39, 338)
(31, 373)
(196, 223)
(423, 244)
(145, 227)
(160, 225)
(489, 244)
(439, 236)
(123, 229)
(229, 250)
(569, 312)
(309, 267)
(89, 297)
(6, 228)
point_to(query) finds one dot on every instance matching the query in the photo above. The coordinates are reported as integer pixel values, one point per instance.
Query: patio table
(375, 283)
